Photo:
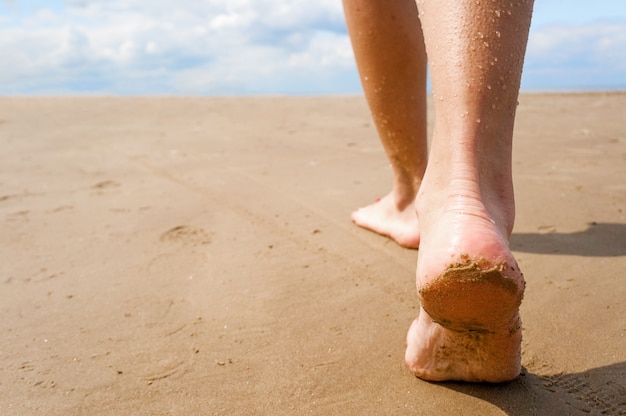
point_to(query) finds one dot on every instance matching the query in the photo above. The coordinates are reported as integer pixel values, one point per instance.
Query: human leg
(469, 284)
(389, 50)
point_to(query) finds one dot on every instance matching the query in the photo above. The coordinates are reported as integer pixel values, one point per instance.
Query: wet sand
(195, 256)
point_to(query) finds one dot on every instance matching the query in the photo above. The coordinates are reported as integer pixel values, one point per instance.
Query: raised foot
(386, 218)
(469, 327)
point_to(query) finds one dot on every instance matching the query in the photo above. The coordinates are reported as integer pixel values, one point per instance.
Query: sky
(259, 47)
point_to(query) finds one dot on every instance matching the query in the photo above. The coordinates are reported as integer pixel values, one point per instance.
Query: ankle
(462, 194)
(404, 193)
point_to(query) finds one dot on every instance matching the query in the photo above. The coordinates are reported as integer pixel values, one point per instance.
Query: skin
(394, 83)
(468, 282)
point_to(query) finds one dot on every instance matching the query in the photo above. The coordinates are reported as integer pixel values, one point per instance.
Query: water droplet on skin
(365, 78)
(498, 34)
(478, 121)
(498, 13)
(493, 106)
(488, 87)
(486, 44)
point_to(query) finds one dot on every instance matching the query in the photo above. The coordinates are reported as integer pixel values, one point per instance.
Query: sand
(194, 256)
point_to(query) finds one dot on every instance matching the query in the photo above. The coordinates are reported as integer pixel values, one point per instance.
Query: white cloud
(588, 43)
(211, 46)
(583, 56)
(246, 47)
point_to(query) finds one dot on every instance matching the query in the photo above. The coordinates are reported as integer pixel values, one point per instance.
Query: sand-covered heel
(470, 316)
(471, 297)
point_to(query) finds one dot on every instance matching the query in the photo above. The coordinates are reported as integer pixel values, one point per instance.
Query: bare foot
(470, 290)
(385, 217)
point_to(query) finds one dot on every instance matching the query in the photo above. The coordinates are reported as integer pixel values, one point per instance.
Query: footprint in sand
(108, 184)
(186, 235)
(589, 398)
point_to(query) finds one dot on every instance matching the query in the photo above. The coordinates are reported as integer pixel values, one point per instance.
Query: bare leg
(469, 284)
(389, 48)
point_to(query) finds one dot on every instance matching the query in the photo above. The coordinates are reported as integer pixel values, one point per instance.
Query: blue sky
(240, 47)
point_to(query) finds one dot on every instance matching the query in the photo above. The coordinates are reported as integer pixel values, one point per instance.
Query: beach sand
(194, 256)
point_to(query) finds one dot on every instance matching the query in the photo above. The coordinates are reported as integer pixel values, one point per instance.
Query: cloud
(584, 56)
(194, 47)
(243, 47)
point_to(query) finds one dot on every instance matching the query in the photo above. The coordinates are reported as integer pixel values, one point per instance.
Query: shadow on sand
(598, 240)
(599, 391)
